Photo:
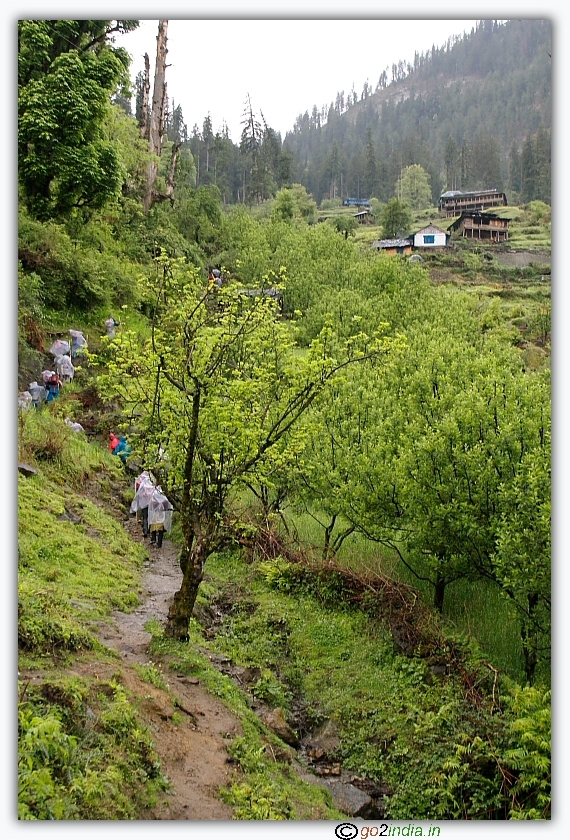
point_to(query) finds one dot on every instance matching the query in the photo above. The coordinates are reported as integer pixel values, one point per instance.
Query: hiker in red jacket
(113, 442)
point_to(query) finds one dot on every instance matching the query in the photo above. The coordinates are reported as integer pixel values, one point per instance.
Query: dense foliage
(319, 378)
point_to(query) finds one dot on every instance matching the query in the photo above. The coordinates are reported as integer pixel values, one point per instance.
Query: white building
(430, 237)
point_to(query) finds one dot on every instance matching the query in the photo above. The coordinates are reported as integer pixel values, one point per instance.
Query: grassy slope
(85, 747)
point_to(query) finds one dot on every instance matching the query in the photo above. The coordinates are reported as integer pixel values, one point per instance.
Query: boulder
(275, 721)
(26, 469)
(324, 740)
(350, 800)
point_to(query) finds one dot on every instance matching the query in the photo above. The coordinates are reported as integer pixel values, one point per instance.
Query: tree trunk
(157, 116)
(439, 593)
(180, 611)
(529, 639)
(145, 97)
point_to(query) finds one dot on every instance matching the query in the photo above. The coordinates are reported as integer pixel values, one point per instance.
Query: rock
(350, 800)
(69, 516)
(218, 660)
(246, 676)
(328, 770)
(27, 470)
(188, 680)
(275, 721)
(324, 740)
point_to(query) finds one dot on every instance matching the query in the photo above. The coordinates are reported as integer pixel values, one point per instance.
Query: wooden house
(486, 226)
(454, 202)
(430, 237)
(393, 247)
(364, 217)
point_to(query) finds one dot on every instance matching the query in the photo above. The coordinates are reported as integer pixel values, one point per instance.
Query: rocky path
(192, 745)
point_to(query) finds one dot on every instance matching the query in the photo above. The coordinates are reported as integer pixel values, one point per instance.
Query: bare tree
(157, 121)
(145, 92)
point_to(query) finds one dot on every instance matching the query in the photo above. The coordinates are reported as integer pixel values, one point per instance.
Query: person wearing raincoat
(144, 488)
(110, 325)
(159, 516)
(38, 392)
(123, 449)
(64, 368)
(78, 343)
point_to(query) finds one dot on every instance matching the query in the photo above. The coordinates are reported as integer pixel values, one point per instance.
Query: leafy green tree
(522, 559)
(395, 218)
(220, 388)
(344, 224)
(515, 169)
(414, 187)
(294, 203)
(67, 71)
(542, 146)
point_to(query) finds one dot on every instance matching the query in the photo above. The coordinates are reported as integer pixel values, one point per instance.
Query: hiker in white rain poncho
(64, 368)
(59, 348)
(78, 343)
(144, 488)
(159, 516)
(24, 400)
(38, 393)
(110, 325)
(75, 427)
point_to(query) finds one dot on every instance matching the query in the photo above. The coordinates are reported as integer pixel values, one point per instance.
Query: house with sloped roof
(454, 202)
(488, 226)
(430, 236)
(402, 247)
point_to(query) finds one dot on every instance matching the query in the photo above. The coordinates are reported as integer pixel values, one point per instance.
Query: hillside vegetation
(357, 449)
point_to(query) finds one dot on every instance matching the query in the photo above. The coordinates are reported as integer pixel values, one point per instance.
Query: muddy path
(192, 738)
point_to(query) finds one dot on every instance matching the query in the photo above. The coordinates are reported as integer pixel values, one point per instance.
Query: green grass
(92, 563)
(396, 724)
(266, 787)
(475, 608)
(84, 752)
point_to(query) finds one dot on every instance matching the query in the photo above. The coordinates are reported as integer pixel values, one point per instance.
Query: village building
(393, 247)
(364, 217)
(454, 202)
(430, 237)
(355, 202)
(487, 226)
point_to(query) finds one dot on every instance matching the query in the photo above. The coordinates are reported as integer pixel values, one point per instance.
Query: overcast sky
(286, 66)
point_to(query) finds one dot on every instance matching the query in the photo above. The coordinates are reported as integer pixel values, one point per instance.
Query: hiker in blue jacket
(123, 449)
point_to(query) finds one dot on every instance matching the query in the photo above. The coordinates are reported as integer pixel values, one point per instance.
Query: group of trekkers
(152, 508)
(119, 445)
(64, 354)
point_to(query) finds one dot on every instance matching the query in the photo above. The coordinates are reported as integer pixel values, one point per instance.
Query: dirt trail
(193, 750)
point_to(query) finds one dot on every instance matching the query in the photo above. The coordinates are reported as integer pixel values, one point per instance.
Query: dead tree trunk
(144, 127)
(157, 113)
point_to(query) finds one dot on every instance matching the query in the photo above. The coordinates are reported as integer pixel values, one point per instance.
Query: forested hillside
(356, 448)
(474, 113)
